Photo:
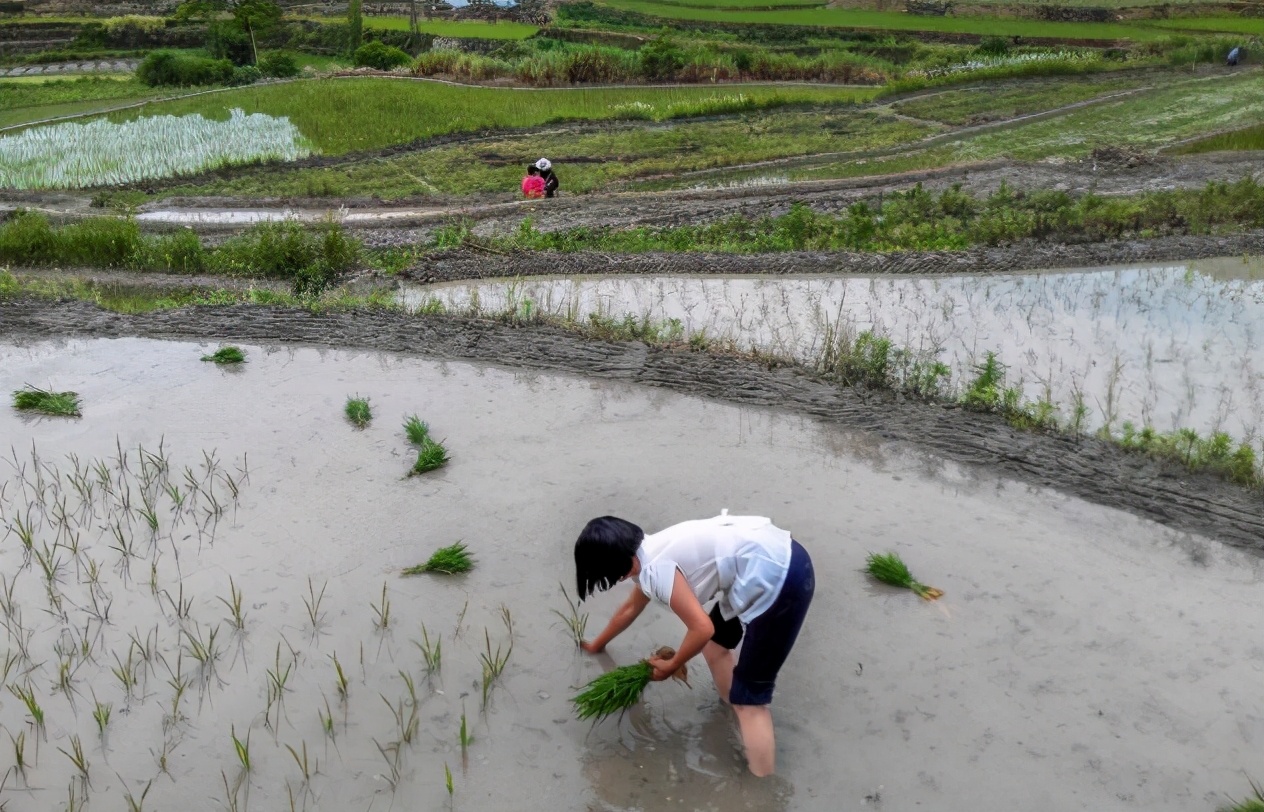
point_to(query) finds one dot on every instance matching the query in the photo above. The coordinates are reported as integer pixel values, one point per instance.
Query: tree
(256, 18)
(355, 24)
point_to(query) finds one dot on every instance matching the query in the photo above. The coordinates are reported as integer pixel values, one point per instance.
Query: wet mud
(1092, 470)
(467, 264)
(1081, 658)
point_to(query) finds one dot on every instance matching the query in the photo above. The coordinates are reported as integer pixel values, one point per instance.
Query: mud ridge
(1087, 468)
(460, 265)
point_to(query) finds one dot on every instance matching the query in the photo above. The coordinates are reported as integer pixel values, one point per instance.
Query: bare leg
(755, 722)
(721, 662)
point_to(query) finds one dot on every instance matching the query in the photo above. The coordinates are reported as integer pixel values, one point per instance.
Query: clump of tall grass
(450, 560)
(889, 568)
(46, 401)
(313, 256)
(358, 411)
(226, 355)
(1187, 447)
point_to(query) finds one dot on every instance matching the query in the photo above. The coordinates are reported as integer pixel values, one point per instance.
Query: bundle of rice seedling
(226, 355)
(431, 454)
(60, 404)
(891, 569)
(617, 690)
(449, 560)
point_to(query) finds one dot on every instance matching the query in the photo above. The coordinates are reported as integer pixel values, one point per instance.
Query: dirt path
(1084, 467)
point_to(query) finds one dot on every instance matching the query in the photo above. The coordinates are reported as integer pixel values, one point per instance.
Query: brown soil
(1091, 469)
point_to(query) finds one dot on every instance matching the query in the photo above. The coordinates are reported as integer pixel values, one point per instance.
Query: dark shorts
(770, 636)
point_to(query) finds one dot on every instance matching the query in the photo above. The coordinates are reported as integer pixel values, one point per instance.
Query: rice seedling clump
(431, 453)
(613, 692)
(891, 569)
(454, 558)
(358, 412)
(226, 355)
(58, 404)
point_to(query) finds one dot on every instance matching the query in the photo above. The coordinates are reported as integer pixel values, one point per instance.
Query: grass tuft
(58, 404)
(891, 569)
(226, 355)
(449, 560)
(613, 692)
(416, 430)
(358, 412)
(1252, 803)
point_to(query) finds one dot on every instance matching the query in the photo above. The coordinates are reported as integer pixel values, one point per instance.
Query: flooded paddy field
(1082, 658)
(1169, 346)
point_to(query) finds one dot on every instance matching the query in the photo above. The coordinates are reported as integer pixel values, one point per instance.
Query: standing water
(1080, 659)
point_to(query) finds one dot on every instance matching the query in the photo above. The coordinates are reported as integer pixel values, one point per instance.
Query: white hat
(543, 165)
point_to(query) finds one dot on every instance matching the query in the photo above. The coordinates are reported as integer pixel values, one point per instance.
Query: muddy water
(1081, 659)
(1169, 346)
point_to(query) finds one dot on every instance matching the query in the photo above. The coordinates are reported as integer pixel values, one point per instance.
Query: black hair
(532, 169)
(604, 552)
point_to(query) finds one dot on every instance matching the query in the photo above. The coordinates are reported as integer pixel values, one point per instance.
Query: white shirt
(742, 559)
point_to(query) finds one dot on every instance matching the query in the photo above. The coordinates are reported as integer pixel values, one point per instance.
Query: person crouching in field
(763, 580)
(532, 184)
(550, 177)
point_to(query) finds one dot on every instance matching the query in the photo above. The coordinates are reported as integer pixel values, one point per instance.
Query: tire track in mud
(1084, 467)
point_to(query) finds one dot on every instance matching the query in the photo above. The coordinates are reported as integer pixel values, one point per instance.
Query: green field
(978, 104)
(24, 100)
(468, 29)
(745, 5)
(351, 115)
(1251, 26)
(895, 21)
(1247, 138)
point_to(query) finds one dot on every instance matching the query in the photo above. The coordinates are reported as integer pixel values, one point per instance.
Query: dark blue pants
(770, 636)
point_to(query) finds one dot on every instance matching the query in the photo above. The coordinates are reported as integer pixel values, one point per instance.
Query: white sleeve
(657, 580)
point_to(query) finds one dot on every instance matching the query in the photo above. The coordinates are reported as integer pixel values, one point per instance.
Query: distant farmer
(546, 171)
(1234, 56)
(532, 184)
(762, 578)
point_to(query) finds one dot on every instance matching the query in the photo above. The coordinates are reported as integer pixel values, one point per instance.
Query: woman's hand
(591, 648)
(663, 669)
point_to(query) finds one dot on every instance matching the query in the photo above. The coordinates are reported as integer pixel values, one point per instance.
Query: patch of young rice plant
(890, 569)
(102, 153)
(59, 404)
(430, 456)
(454, 558)
(358, 412)
(416, 430)
(226, 355)
(613, 692)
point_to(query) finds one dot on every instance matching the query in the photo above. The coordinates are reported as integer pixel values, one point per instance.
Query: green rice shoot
(891, 569)
(613, 692)
(358, 412)
(1253, 803)
(450, 560)
(430, 455)
(57, 404)
(226, 355)
(416, 430)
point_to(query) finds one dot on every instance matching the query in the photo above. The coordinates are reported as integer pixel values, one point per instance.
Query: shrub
(661, 59)
(380, 56)
(245, 75)
(169, 68)
(993, 46)
(279, 65)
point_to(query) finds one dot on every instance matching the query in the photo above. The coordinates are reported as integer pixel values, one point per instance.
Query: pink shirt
(533, 186)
